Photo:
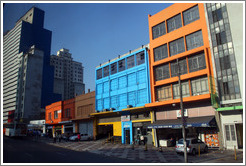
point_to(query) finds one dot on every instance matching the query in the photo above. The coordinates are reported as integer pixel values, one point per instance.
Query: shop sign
(126, 125)
(125, 118)
(179, 113)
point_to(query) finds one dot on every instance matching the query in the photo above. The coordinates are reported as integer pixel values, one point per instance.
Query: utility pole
(182, 115)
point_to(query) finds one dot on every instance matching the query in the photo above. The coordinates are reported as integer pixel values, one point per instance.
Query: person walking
(79, 137)
(59, 137)
(54, 137)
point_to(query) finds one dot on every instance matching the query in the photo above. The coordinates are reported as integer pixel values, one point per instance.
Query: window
(182, 68)
(160, 52)
(55, 114)
(230, 133)
(159, 30)
(199, 86)
(177, 46)
(163, 93)
(130, 62)
(185, 90)
(67, 113)
(194, 40)
(106, 71)
(221, 38)
(49, 116)
(122, 65)
(162, 72)
(140, 58)
(113, 68)
(217, 15)
(225, 62)
(197, 62)
(99, 74)
(191, 15)
(174, 23)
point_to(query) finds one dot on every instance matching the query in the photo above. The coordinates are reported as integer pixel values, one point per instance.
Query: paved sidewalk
(151, 155)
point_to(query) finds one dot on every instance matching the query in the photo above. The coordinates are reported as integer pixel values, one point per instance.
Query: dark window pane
(191, 15)
(194, 40)
(221, 38)
(163, 93)
(225, 62)
(217, 15)
(130, 62)
(106, 71)
(174, 23)
(113, 68)
(160, 52)
(122, 65)
(182, 65)
(197, 62)
(177, 46)
(162, 72)
(159, 30)
(140, 58)
(99, 74)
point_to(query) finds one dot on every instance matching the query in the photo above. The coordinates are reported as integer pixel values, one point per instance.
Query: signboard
(179, 113)
(125, 118)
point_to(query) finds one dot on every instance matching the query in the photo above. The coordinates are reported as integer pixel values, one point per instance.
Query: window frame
(139, 58)
(115, 68)
(130, 61)
(192, 12)
(99, 76)
(160, 52)
(176, 44)
(121, 65)
(104, 69)
(174, 20)
(159, 28)
(194, 40)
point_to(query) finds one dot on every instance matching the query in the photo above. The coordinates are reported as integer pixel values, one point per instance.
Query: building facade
(68, 75)
(27, 32)
(179, 39)
(122, 90)
(225, 25)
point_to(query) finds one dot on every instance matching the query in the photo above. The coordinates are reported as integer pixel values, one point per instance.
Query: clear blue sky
(93, 32)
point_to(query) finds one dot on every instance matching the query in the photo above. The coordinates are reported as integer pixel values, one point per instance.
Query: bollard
(235, 152)
(199, 150)
(146, 149)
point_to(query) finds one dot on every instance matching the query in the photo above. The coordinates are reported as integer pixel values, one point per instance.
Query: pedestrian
(54, 137)
(142, 139)
(79, 137)
(59, 137)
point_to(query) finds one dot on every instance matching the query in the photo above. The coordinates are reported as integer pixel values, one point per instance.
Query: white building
(68, 75)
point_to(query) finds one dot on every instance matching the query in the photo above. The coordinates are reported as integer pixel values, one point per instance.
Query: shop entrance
(127, 136)
(239, 129)
(104, 131)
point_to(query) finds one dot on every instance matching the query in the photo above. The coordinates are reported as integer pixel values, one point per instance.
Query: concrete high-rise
(27, 32)
(68, 75)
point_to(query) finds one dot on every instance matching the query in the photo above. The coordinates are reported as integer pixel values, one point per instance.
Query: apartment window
(194, 40)
(174, 23)
(221, 38)
(197, 62)
(230, 133)
(217, 15)
(160, 52)
(163, 93)
(130, 62)
(182, 68)
(185, 90)
(49, 116)
(177, 46)
(225, 62)
(191, 15)
(162, 72)
(199, 86)
(106, 71)
(113, 68)
(140, 58)
(122, 65)
(56, 115)
(226, 88)
(159, 30)
(99, 74)
(67, 113)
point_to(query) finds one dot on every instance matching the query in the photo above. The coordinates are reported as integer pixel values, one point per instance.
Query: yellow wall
(116, 127)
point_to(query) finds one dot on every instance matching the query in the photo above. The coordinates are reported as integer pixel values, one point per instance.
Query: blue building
(122, 87)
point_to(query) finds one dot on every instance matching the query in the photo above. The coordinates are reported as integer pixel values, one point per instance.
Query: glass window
(194, 40)
(122, 65)
(197, 62)
(163, 93)
(221, 38)
(113, 68)
(225, 62)
(217, 15)
(140, 58)
(160, 52)
(191, 15)
(199, 86)
(174, 23)
(227, 132)
(50, 116)
(182, 66)
(55, 114)
(130, 62)
(99, 74)
(162, 72)
(177, 46)
(185, 90)
(159, 30)
(106, 71)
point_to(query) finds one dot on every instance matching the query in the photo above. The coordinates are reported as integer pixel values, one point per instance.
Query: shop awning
(205, 121)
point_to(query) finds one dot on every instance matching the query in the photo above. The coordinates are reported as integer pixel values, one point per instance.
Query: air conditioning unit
(111, 109)
(129, 106)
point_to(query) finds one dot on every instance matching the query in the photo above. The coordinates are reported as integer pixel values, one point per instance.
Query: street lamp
(182, 115)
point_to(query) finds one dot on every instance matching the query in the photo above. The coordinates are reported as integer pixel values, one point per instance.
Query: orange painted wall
(57, 106)
(197, 25)
(68, 104)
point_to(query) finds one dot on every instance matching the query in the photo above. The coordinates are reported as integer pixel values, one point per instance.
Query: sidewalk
(149, 155)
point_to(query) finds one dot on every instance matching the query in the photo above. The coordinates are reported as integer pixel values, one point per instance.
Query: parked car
(73, 137)
(83, 137)
(192, 146)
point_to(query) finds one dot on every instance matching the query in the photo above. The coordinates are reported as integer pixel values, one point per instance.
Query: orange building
(179, 36)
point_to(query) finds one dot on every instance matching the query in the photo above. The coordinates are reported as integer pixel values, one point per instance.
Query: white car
(192, 146)
(83, 137)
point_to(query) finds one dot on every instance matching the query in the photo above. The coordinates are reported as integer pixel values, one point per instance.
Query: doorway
(127, 136)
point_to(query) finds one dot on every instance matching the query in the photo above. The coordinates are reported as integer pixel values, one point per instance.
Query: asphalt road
(26, 151)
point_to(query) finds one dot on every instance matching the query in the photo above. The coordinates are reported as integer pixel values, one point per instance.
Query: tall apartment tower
(68, 75)
(28, 32)
(225, 24)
